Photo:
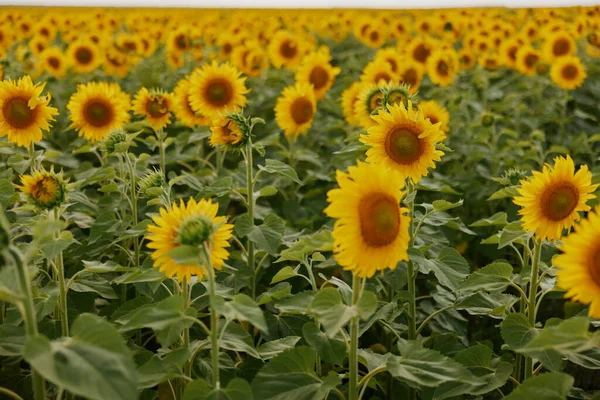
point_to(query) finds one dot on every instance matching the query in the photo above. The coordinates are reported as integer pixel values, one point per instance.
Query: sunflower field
(299, 204)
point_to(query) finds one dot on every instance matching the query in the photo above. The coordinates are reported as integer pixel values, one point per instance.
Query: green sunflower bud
(151, 185)
(115, 142)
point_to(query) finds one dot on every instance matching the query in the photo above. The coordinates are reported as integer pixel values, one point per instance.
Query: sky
(305, 3)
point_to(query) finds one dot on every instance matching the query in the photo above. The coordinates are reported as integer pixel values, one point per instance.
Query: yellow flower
(52, 60)
(436, 113)
(466, 59)
(44, 189)
(286, 50)
(116, 63)
(155, 106)
(527, 60)
(411, 73)
(568, 72)
(552, 199)
(317, 70)
(349, 98)
(188, 224)
(98, 108)
(442, 66)
(370, 98)
(508, 52)
(24, 112)
(404, 141)
(558, 44)
(295, 109)
(216, 89)
(391, 56)
(377, 71)
(182, 108)
(420, 49)
(84, 56)
(579, 263)
(371, 230)
(225, 131)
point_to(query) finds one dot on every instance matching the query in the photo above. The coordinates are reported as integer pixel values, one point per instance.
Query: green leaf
(285, 273)
(273, 348)
(494, 277)
(12, 339)
(511, 233)
(7, 191)
(266, 192)
(237, 389)
(98, 267)
(450, 268)
(280, 168)
(550, 386)
(492, 304)
(219, 188)
(243, 225)
(140, 275)
(91, 364)
(277, 292)
(328, 308)
(443, 205)
(89, 282)
(243, 308)
(236, 338)
(297, 303)
(499, 219)
(516, 330)
(268, 235)
(367, 304)
(331, 350)
(424, 367)
(320, 241)
(291, 376)
(52, 247)
(157, 370)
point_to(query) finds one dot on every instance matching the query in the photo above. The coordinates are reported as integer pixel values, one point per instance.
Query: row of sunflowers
(299, 204)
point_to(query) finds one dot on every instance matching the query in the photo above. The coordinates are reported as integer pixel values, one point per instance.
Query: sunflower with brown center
(558, 44)
(286, 50)
(183, 110)
(579, 263)
(369, 100)
(568, 73)
(411, 73)
(98, 108)
(44, 189)
(371, 229)
(295, 109)
(527, 60)
(553, 198)
(53, 61)
(420, 49)
(349, 98)
(436, 113)
(216, 89)
(378, 71)
(225, 131)
(25, 113)
(442, 66)
(317, 70)
(84, 56)
(404, 141)
(116, 63)
(155, 105)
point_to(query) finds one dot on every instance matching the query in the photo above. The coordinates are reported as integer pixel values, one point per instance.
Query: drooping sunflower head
(317, 71)
(579, 263)
(229, 131)
(295, 109)
(404, 141)
(97, 108)
(568, 72)
(442, 66)
(44, 189)
(53, 61)
(371, 229)
(369, 101)
(24, 111)
(552, 199)
(83, 56)
(349, 98)
(436, 113)
(559, 44)
(191, 224)
(155, 106)
(216, 89)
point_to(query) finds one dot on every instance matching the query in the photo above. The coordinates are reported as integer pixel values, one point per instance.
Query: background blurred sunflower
(295, 109)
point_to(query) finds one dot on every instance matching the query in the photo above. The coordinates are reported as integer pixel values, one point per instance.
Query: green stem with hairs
(250, 196)
(214, 320)
(533, 286)
(412, 277)
(353, 357)
(62, 292)
(187, 370)
(161, 147)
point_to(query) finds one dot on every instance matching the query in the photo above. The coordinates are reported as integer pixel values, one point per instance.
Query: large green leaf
(291, 376)
(331, 350)
(237, 389)
(90, 282)
(320, 241)
(280, 168)
(242, 308)
(268, 235)
(494, 277)
(327, 306)
(450, 268)
(94, 363)
(550, 386)
(516, 330)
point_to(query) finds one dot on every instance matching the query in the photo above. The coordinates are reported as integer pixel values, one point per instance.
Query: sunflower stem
(32, 161)
(533, 286)
(62, 292)
(412, 276)
(29, 316)
(134, 211)
(186, 332)
(214, 319)
(161, 146)
(250, 196)
(353, 357)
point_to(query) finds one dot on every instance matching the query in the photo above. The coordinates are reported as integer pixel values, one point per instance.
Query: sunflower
(370, 98)
(116, 63)
(84, 56)
(181, 106)
(155, 105)
(215, 89)
(411, 73)
(190, 224)
(436, 113)
(419, 50)
(52, 60)
(559, 44)
(403, 140)
(24, 112)
(508, 52)
(371, 230)
(98, 108)
(225, 131)
(490, 61)
(317, 70)
(527, 60)
(44, 189)
(37, 45)
(442, 66)
(579, 264)
(179, 40)
(378, 71)
(349, 97)
(568, 73)
(390, 55)
(552, 199)
(286, 50)
(466, 59)
(295, 109)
